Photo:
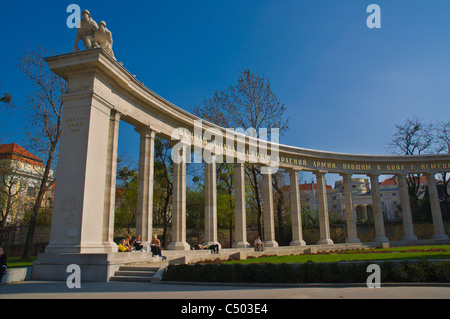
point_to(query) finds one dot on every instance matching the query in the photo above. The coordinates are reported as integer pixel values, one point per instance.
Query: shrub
(423, 271)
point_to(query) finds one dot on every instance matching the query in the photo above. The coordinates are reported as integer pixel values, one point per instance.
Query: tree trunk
(37, 204)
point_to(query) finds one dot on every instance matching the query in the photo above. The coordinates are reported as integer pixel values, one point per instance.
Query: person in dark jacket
(2, 264)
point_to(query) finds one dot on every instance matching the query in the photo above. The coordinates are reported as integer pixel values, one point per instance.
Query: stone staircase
(135, 273)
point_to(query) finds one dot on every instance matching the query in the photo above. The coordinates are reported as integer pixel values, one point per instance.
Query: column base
(110, 247)
(179, 246)
(297, 242)
(381, 239)
(440, 237)
(325, 241)
(241, 244)
(270, 243)
(409, 238)
(354, 240)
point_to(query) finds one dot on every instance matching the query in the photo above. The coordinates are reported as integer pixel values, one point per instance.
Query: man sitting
(259, 245)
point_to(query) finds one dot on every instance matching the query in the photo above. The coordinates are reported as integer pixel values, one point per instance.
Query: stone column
(210, 202)
(380, 235)
(324, 223)
(269, 222)
(438, 224)
(406, 209)
(110, 184)
(296, 210)
(144, 211)
(179, 201)
(350, 213)
(78, 210)
(239, 207)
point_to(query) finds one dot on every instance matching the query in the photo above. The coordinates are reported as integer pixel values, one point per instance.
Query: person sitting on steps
(155, 247)
(214, 248)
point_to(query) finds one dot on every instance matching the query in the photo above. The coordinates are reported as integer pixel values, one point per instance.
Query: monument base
(325, 241)
(178, 246)
(270, 243)
(241, 244)
(297, 242)
(93, 267)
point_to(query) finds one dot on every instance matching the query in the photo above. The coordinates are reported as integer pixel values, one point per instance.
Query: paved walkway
(115, 290)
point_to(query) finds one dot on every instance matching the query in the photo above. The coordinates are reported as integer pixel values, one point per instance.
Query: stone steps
(136, 273)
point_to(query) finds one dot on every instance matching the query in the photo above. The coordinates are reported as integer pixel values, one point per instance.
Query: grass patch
(17, 262)
(395, 253)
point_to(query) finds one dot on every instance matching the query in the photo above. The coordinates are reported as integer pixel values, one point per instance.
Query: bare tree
(6, 99)
(12, 186)
(412, 138)
(442, 130)
(43, 120)
(248, 104)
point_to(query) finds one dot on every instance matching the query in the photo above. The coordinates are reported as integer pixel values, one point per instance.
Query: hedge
(406, 271)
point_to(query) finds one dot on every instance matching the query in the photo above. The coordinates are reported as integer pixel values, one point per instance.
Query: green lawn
(396, 253)
(16, 262)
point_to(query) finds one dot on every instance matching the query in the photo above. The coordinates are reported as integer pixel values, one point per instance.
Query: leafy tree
(163, 186)
(127, 188)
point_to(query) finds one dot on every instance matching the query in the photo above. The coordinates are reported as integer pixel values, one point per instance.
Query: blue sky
(345, 86)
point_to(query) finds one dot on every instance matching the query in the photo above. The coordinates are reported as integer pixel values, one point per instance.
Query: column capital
(210, 159)
(400, 174)
(268, 169)
(146, 131)
(319, 173)
(115, 115)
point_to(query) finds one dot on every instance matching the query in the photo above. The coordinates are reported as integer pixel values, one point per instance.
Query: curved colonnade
(101, 93)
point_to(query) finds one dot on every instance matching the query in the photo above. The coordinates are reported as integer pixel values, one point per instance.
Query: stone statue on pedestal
(93, 35)
(103, 38)
(85, 32)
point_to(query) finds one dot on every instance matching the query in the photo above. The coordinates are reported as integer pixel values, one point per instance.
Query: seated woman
(155, 247)
(137, 243)
(126, 243)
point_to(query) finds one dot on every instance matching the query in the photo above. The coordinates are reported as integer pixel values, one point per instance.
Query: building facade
(20, 177)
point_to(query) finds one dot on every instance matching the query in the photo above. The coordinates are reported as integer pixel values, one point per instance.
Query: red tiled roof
(308, 187)
(393, 180)
(389, 181)
(16, 152)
